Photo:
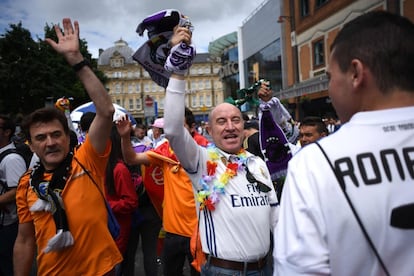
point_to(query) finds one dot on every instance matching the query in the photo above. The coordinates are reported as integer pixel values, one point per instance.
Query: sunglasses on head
(259, 185)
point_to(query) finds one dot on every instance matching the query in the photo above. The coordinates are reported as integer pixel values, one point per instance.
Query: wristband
(81, 64)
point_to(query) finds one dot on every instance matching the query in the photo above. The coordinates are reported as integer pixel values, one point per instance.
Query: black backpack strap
(20, 149)
(361, 225)
(7, 152)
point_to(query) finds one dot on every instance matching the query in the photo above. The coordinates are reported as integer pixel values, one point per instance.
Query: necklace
(212, 185)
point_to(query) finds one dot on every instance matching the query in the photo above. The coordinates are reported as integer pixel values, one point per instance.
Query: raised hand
(68, 41)
(265, 92)
(181, 34)
(123, 125)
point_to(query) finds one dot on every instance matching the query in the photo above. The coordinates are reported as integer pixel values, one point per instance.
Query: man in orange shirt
(61, 210)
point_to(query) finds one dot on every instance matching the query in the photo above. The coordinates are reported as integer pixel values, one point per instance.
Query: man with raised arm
(237, 204)
(61, 210)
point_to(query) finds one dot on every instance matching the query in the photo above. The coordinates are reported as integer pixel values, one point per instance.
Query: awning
(307, 87)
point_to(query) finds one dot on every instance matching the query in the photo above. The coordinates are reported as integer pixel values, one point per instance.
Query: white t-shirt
(12, 167)
(239, 228)
(317, 233)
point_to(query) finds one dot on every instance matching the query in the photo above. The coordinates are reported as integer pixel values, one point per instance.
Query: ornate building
(309, 28)
(131, 87)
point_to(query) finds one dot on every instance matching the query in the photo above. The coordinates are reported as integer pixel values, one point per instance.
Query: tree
(18, 63)
(32, 72)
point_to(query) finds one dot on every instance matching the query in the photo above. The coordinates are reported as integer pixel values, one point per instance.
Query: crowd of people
(258, 196)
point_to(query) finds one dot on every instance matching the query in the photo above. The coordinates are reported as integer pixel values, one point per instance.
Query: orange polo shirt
(94, 252)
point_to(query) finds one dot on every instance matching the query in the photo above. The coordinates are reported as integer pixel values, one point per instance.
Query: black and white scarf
(50, 200)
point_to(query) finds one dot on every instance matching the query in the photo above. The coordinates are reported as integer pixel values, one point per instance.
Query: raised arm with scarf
(235, 221)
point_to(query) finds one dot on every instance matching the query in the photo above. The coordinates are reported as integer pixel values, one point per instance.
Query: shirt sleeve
(300, 245)
(21, 200)
(180, 139)
(14, 167)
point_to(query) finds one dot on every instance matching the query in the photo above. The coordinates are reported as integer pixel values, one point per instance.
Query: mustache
(52, 149)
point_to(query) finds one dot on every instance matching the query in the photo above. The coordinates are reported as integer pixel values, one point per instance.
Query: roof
(121, 47)
(201, 58)
(217, 47)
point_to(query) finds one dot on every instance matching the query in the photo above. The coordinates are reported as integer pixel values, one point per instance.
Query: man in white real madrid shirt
(372, 90)
(233, 188)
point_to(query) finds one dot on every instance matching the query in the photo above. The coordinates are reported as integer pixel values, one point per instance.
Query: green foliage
(31, 72)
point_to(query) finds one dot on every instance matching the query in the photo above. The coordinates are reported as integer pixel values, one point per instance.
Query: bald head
(220, 107)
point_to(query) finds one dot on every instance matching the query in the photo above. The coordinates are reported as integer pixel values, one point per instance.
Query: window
(138, 87)
(193, 100)
(318, 53)
(118, 101)
(201, 100)
(118, 88)
(154, 87)
(131, 104)
(117, 75)
(319, 3)
(117, 62)
(207, 84)
(130, 88)
(304, 8)
(207, 70)
(200, 71)
(193, 85)
(146, 87)
(193, 71)
(208, 100)
(216, 69)
(200, 84)
(138, 104)
(160, 103)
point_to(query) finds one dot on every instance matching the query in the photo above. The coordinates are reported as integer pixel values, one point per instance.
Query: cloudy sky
(102, 22)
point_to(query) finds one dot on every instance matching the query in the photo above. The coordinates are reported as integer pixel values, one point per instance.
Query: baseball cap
(159, 123)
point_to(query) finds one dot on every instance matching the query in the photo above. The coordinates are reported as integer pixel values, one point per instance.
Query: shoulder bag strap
(361, 225)
(90, 176)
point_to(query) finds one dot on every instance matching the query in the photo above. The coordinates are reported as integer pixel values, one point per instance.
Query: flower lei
(208, 197)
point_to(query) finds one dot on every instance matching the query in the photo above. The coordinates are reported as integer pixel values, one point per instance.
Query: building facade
(252, 53)
(309, 28)
(131, 87)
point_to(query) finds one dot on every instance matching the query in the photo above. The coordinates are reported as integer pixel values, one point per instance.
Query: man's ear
(208, 128)
(30, 146)
(8, 133)
(357, 72)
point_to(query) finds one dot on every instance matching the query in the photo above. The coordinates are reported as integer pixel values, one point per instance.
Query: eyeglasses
(259, 185)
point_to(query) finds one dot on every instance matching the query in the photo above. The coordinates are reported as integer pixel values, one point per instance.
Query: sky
(102, 22)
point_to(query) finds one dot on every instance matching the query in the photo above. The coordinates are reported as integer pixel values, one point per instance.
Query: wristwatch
(81, 64)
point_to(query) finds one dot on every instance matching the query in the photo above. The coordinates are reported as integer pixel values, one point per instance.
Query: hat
(158, 123)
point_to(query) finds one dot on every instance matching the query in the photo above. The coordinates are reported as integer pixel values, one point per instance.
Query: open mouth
(230, 136)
